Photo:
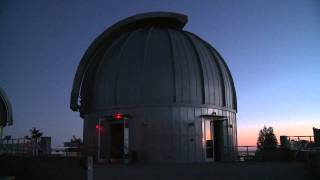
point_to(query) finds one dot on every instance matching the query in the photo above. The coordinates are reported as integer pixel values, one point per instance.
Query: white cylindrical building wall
(164, 134)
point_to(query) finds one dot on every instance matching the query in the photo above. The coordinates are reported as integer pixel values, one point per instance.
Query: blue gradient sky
(271, 47)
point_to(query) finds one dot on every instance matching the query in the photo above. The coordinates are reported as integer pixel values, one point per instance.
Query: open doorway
(117, 137)
(213, 139)
(218, 140)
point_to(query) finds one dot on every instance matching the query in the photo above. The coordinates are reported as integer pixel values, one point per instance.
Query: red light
(97, 126)
(118, 116)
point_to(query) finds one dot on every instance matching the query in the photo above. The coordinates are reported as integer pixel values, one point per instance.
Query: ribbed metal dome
(148, 59)
(5, 110)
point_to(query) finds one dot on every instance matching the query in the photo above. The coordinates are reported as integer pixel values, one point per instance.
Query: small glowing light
(118, 116)
(97, 126)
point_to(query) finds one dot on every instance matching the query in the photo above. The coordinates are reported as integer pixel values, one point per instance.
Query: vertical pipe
(99, 139)
(1, 132)
(125, 141)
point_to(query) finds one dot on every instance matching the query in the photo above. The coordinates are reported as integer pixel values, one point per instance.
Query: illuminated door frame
(208, 136)
(126, 147)
(212, 119)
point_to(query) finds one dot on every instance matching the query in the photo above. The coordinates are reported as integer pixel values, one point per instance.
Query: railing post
(11, 146)
(89, 168)
(23, 144)
(18, 146)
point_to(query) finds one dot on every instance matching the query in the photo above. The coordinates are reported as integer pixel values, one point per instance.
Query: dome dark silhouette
(5, 110)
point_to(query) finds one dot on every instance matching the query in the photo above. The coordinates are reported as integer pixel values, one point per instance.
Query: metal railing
(66, 151)
(15, 146)
(24, 146)
(301, 138)
(246, 153)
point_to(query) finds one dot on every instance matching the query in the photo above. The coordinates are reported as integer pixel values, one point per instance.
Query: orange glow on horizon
(248, 136)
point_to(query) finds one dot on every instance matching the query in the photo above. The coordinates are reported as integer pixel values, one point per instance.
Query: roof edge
(177, 20)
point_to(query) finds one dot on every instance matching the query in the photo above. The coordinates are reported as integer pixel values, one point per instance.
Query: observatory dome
(5, 110)
(150, 90)
(148, 59)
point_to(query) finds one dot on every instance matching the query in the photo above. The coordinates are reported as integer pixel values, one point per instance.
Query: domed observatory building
(5, 112)
(152, 92)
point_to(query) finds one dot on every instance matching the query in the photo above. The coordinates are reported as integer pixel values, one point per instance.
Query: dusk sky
(272, 48)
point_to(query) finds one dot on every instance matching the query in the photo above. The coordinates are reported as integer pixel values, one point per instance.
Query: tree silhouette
(35, 134)
(75, 142)
(267, 139)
